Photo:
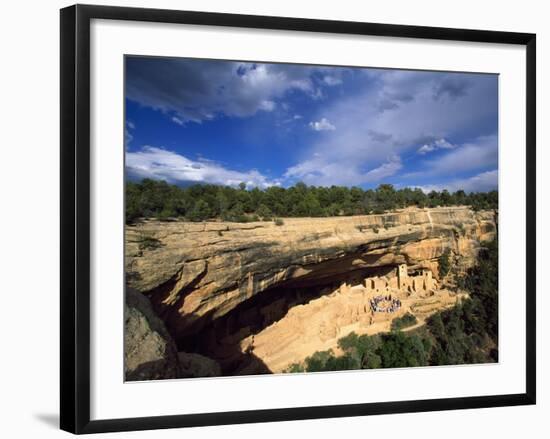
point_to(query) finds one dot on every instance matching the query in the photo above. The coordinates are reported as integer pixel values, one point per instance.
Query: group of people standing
(377, 304)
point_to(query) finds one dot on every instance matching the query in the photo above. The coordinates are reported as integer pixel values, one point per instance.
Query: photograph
(295, 218)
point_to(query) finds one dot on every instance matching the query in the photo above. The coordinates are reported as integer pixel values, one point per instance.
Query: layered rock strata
(196, 273)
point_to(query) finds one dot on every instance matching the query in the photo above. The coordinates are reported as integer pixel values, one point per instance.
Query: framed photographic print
(305, 218)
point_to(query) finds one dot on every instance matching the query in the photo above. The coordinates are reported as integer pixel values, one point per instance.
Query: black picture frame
(75, 217)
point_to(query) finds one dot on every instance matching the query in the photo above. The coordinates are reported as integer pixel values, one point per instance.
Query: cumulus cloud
(424, 149)
(437, 144)
(410, 118)
(444, 144)
(322, 125)
(199, 90)
(391, 118)
(161, 164)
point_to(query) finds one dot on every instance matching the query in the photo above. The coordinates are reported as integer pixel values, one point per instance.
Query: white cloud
(128, 136)
(483, 182)
(392, 114)
(367, 134)
(444, 144)
(267, 106)
(292, 119)
(161, 164)
(481, 153)
(322, 125)
(317, 171)
(424, 149)
(194, 90)
(331, 80)
(317, 94)
(383, 171)
(436, 144)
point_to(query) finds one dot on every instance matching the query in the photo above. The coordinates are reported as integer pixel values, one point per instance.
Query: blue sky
(226, 122)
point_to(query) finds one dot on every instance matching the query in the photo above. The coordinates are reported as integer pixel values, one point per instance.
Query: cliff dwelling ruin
(287, 323)
(257, 297)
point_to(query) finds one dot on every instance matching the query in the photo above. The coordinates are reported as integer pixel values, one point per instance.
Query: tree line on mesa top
(199, 202)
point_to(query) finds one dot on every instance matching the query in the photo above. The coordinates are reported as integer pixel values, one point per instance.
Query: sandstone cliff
(195, 273)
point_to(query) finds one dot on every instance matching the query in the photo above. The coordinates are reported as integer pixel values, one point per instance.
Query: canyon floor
(257, 297)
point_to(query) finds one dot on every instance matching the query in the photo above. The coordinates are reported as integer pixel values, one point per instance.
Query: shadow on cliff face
(150, 351)
(212, 343)
(229, 339)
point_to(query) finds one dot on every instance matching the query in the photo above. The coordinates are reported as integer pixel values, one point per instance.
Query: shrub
(236, 215)
(148, 243)
(278, 222)
(295, 368)
(403, 322)
(166, 214)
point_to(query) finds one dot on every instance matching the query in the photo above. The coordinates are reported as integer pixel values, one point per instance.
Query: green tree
(400, 350)
(363, 348)
(133, 207)
(153, 198)
(317, 361)
(200, 211)
(444, 263)
(403, 322)
(264, 212)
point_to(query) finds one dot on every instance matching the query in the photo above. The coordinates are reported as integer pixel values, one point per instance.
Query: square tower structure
(402, 275)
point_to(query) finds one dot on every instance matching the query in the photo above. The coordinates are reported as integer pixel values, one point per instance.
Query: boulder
(196, 365)
(149, 351)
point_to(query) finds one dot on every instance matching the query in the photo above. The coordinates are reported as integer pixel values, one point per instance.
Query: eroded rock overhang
(198, 272)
